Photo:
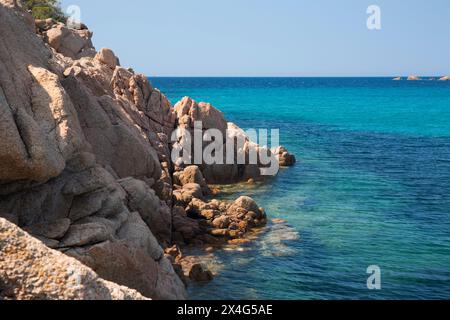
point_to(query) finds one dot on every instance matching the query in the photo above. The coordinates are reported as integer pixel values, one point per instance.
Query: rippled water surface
(372, 187)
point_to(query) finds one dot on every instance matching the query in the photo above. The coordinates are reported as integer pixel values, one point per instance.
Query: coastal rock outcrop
(413, 78)
(30, 270)
(86, 169)
(285, 158)
(238, 158)
(108, 57)
(70, 132)
(446, 78)
(70, 42)
(199, 273)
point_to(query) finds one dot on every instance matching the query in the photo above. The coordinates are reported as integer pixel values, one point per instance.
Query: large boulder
(190, 111)
(39, 127)
(156, 214)
(51, 230)
(246, 203)
(71, 43)
(242, 163)
(199, 273)
(107, 56)
(29, 270)
(285, 158)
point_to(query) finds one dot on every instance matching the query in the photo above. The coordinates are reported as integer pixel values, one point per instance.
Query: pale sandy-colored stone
(31, 271)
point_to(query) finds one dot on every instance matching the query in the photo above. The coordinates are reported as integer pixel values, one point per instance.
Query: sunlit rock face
(73, 127)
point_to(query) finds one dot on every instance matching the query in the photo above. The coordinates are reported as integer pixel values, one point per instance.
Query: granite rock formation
(30, 270)
(71, 131)
(86, 169)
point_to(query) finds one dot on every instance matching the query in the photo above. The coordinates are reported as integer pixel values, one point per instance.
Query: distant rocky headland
(417, 78)
(92, 205)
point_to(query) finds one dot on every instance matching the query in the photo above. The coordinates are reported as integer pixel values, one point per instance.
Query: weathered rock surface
(30, 270)
(413, 78)
(446, 78)
(70, 132)
(51, 230)
(186, 194)
(285, 158)
(70, 42)
(245, 161)
(86, 168)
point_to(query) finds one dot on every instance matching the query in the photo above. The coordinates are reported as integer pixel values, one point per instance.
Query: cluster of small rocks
(202, 221)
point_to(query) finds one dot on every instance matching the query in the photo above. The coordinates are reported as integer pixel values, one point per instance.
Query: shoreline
(102, 185)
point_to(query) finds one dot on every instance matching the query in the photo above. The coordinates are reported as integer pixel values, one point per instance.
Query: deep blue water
(372, 187)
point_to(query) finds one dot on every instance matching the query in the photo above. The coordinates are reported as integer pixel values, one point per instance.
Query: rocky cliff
(71, 131)
(85, 166)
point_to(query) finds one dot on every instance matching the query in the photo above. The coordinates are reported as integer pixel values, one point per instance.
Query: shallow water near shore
(372, 187)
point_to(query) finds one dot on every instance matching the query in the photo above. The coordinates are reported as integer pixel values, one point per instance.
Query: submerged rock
(86, 168)
(107, 57)
(70, 42)
(240, 168)
(218, 222)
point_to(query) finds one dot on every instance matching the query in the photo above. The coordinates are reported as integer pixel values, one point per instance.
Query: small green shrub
(44, 9)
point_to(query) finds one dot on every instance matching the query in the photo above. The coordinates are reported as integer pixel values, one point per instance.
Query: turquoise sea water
(372, 187)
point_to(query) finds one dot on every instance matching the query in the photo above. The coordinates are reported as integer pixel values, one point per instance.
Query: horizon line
(284, 76)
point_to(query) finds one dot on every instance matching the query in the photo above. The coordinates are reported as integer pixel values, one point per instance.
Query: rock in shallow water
(108, 57)
(285, 158)
(199, 273)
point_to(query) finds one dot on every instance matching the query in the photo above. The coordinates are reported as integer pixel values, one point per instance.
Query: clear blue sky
(272, 37)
